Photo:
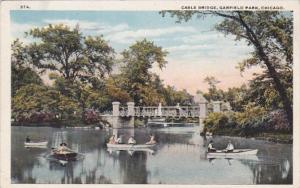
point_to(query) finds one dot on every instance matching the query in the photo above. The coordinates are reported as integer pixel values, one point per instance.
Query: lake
(179, 158)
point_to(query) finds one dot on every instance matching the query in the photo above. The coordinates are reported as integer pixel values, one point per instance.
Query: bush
(252, 121)
(215, 121)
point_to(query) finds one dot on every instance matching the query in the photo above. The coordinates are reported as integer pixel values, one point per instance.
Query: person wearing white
(152, 140)
(229, 147)
(120, 140)
(210, 147)
(131, 141)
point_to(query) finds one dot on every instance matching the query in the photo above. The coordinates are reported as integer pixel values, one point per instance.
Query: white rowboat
(131, 149)
(130, 146)
(236, 152)
(36, 144)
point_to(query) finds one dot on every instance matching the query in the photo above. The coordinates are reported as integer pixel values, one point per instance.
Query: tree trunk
(280, 89)
(273, 73)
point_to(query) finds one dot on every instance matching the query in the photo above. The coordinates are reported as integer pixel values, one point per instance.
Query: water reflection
(179, 158)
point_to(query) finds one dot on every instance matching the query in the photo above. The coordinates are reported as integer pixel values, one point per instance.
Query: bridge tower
(202, 102)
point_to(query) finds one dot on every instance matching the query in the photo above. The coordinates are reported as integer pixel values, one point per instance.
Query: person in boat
(62, 147)
(210, 147)
(152, 140)
(27, 140)
(120, 140)
(131, 140)
(112, 140)
(229, 147)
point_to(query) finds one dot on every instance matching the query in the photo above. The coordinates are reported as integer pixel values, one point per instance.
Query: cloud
(100, 28)
(85, 25)
(185, 48)
(18, 29)
(129, 36)
(202, 37)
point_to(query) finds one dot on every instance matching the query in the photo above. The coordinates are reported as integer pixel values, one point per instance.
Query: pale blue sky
(195, 49)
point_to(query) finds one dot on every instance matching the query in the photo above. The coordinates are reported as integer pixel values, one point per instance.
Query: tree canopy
(62, 49)
(270, 33)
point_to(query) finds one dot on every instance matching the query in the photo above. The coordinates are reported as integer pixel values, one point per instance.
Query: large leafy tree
(138, 60)
(33, 98)
(21, 72)
(269, 32)
(66, 51)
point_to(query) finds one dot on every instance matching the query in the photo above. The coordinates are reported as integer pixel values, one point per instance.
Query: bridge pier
(159, 112)
(202, 114)
(116, 120)
(216, 106)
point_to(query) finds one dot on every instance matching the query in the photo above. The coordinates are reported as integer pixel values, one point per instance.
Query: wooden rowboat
(130, 146)
(65, 155)
(236, 152)
(36, 144)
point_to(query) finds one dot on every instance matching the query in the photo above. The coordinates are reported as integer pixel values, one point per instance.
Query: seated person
(27, 139)
(120, 140)
(210, 147)
(229, 147)
(131, 140)
(152, 140)
(112, 140)
(62, 147)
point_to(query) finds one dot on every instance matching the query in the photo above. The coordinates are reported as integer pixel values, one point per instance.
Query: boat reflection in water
(179, 158)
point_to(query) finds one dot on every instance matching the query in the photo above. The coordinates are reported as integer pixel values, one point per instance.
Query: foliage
(67, 51)
(253, 120)
(173, 97)
(270, 33)
(32, 98)
(215, 121)
(21, 73)
(138, 80)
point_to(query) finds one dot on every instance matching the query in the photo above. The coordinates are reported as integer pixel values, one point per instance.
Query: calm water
(178, 159)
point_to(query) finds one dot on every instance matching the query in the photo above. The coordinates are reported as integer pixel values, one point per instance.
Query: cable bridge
(200, 110)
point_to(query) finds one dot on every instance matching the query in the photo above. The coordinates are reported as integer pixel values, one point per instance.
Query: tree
(33, 98)
(237, 97)
(213, 93)
(68, 52)
(21, 73)
(269, 32)
(138, 60)
(114, 90)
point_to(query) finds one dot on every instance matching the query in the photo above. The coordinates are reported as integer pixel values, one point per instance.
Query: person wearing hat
(210, 147)
(229, 147)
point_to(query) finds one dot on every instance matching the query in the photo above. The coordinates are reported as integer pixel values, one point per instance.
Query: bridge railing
(200, 110)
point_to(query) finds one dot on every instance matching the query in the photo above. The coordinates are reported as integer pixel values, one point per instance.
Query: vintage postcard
(129, 93)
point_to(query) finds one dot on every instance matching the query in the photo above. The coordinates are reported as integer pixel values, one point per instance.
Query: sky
(195, 49)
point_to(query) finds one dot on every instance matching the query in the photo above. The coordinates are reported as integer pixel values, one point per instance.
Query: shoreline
(282, 138)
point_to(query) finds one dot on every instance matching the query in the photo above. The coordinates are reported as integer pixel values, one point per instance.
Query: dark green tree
(21, 72)
(69, 53)
(138, 80)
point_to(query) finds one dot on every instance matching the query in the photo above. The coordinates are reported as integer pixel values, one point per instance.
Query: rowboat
(131, 150)
(236, 152)
(65, 155)
(36, 144)
(130, 146)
